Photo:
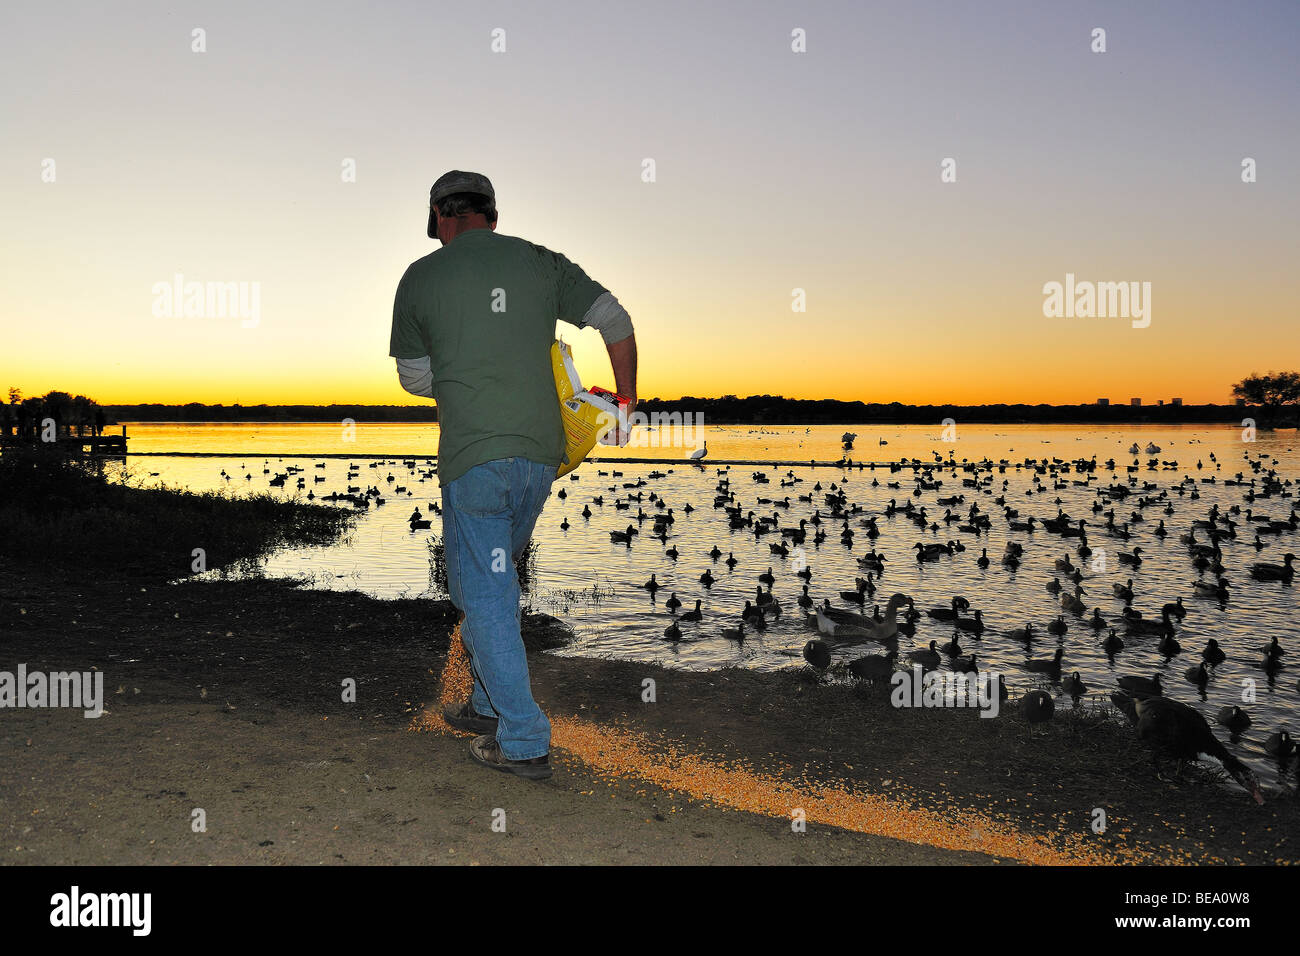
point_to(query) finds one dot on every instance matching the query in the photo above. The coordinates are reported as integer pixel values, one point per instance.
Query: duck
(983, 559)
(1025, 633)
(623, 537)
(735, 633)
(706, 578)
(1273, 652)
(928, 658)
(652, 585)
(1096, 622)
(950, 613)
(1274, 572)
(1198, 675)
(873, 667)
(816, 653)
(1280, 745)
(1173, 729)
(1058, 626)
(564, 525)
(767, 577)
(672, 603)
(965, 665)
(1133, 558)
(953, 647)
(1169, 646)
(971, 625)
(805, 600)
(1123, 591)
(1234, 718)
(1074, 685)
(1051, 665)
(673, 633)
(1112, 644)
(1037, 706)
(1145, 686)
(1213, 654)
(695, 615)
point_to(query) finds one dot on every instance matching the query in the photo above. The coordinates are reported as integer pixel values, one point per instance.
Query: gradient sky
(775, 170)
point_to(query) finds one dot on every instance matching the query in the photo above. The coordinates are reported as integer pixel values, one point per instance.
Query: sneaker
(465, 717)
(487, 751)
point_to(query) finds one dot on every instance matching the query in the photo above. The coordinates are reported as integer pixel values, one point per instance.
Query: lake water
(593, 584)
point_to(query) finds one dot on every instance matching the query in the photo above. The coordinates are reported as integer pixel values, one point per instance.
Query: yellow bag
(587, 418)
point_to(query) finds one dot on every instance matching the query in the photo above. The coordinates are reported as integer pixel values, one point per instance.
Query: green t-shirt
(483, 308)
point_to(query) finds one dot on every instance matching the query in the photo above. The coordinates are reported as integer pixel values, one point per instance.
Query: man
(473, 324)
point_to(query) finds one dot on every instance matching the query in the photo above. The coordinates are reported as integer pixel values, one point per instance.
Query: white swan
(699, 453)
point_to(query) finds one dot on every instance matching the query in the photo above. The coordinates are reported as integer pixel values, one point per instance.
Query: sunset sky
(775, 170)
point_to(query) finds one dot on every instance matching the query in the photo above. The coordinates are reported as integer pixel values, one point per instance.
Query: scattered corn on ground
(615, 753)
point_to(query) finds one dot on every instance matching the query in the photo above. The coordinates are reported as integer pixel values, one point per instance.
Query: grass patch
(60, 511)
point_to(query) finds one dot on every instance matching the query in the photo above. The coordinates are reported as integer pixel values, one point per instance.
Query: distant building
(1160, 402)
(1103, 401)
(1176, 401)
(1135, 402)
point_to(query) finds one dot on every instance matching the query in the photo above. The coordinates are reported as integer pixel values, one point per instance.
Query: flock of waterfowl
(1125, 508)
(954, 509)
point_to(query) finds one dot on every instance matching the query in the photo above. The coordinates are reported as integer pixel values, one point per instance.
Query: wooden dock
(76, 441)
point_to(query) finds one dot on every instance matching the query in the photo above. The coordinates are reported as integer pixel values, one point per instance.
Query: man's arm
(622, 359)
(416, 376)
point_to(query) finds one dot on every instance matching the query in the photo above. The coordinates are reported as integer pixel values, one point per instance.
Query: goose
(767, 577)
(1198, 675)
(864, 627)
(623, 537)
(1037, 706)
(564, 525)
(983, 559)
(1058, 626)
(714, 553)
(1096, 622)
(926, 658)
(1213, 654)
(1074, 602)
(953, 647)
(672, 603)
(1148, 686)
(1134, 558)
(1112, 644)
(673, 553)
(696, 615)
(1172, 729)
(1054, 586)
(1074, 685)
(1169, 646)
(1274, 572)
(816, 653)
(706, 578)
(971, 625)
(417, 524)
(1051, 665)
(586, 511)
(1123, 591)
(731, 561)
(805, 600)
(652, 585)
(735, 633)
(1279, 745)
(673, 633)
(1234, 718)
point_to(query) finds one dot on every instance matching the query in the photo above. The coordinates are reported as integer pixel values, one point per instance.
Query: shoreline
(263, 659)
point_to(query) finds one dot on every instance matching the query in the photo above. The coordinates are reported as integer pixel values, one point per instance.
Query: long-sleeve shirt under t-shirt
(481, 311)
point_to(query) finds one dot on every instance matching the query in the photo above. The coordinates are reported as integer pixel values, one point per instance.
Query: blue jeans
(488, 514)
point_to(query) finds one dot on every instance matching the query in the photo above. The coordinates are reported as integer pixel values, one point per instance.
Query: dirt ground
(227, 697)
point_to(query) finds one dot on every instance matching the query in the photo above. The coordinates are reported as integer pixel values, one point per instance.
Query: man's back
(483, 310)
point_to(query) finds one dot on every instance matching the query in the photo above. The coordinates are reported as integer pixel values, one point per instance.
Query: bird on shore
(817, 653)
(1173, 729)
(1037, 706)
(1234, 718)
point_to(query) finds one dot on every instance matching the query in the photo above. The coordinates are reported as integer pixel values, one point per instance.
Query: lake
(594, 584)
